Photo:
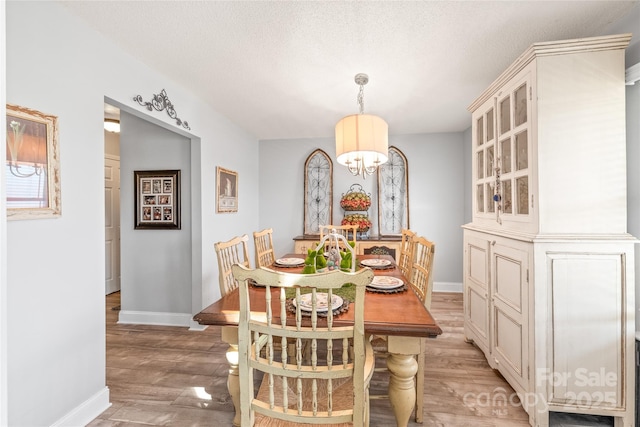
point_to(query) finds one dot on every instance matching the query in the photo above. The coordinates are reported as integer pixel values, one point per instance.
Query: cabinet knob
(493, 242)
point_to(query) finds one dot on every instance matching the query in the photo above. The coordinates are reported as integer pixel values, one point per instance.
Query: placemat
(342, 309)
(402, 288)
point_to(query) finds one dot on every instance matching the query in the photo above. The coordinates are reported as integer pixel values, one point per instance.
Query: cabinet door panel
(509, 316)
(508, 272)
(587, 330)
(477, 311)
(508, 341)
(476, 280)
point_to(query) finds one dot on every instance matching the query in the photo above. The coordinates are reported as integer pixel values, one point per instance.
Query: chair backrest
(263, 241)
(326, 387)
(348, 231)
(405, 259)
(234, 251)
(422, 269)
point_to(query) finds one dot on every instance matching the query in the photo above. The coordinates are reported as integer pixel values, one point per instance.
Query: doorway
(112, 199)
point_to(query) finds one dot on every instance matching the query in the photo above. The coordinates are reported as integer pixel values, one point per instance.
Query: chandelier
(27, 153)
(362, 140)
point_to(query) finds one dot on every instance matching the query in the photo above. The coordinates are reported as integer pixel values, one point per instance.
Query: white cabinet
(548, 265)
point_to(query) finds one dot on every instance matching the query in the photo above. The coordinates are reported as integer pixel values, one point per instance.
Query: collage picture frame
(157, 199)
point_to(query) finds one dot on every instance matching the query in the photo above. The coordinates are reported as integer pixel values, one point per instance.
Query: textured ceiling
(285, 69)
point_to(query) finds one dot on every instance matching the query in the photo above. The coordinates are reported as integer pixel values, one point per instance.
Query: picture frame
(226, 191)
(318, 192)
(157, 199)
(32, 167)
(393, 194)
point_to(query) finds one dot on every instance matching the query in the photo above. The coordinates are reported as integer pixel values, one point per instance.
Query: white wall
(55, 268)
(436, 192)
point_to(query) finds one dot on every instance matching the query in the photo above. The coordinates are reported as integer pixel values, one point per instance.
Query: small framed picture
(227, 191)
(157, 199)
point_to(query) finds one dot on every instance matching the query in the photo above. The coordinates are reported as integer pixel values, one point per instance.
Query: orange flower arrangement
(355, 201)
(361, 220)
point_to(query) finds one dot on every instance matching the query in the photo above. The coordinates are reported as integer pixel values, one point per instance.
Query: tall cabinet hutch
(548, 264)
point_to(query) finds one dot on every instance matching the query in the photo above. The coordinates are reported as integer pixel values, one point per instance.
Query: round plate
(386, 282)
(374, 262)
(321, 305)
(289, 262)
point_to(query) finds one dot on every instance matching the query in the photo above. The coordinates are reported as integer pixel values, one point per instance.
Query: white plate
(385, 282)
(321, 305)
(374, 262)
(289, 262)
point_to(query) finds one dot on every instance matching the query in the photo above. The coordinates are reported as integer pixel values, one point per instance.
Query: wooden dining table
(399, 316)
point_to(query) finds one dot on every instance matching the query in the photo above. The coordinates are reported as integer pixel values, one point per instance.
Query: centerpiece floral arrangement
(361, 220)
(355, 201)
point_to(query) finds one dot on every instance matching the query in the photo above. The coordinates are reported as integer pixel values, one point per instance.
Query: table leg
(230, 336)
(402, 367)
(402, 389)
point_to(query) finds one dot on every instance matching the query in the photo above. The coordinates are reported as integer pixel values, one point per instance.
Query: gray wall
(468, 179)
(436, 192)
(156, 264)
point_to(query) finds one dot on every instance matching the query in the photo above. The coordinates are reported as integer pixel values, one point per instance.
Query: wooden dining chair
(263, 241)
(348, 231)
(405, 258)
(421, 282)
(234, 251)
(422, 269)
(332, 386)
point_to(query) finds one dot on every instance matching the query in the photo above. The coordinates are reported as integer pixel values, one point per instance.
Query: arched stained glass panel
(393, 194)
(318, 192)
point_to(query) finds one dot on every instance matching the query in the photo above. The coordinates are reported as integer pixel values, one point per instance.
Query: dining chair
(348, 231)
(234, 251)
(405, 258)
(332, 386)
(263, 241)
(421, 282)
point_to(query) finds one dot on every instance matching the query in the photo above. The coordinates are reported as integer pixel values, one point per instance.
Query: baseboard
(87, 411)
(155, 318)
(447, 287)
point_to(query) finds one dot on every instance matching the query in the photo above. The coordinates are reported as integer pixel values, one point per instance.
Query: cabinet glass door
(513, 155)
(485, 159)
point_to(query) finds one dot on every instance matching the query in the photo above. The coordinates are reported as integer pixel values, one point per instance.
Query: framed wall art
(227, 191)
(157, 199)
(393, 194)
(32, 168)
(318, 192)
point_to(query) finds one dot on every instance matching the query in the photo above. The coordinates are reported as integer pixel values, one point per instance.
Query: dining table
(397, 314)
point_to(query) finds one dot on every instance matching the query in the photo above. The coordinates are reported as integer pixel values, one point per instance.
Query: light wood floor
(169, 376)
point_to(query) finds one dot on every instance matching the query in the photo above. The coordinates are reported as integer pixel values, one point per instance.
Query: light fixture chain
(361, 98)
